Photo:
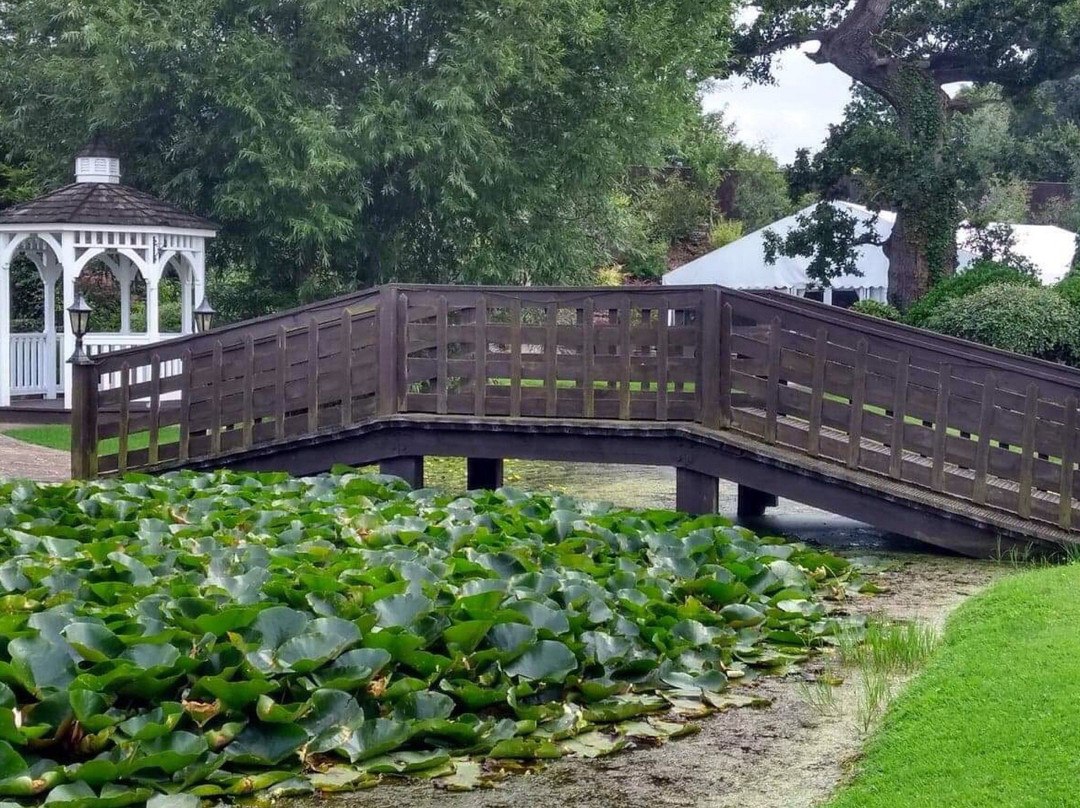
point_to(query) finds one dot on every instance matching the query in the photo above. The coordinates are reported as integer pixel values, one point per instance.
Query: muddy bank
(787, 755)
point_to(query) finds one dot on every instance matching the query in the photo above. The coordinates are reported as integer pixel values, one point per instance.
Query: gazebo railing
(34, 367)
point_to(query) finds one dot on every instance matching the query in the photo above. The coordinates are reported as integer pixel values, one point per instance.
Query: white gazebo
(93, 220)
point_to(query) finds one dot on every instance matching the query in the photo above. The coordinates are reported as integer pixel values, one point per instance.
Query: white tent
(1051, 249)
(742, 265)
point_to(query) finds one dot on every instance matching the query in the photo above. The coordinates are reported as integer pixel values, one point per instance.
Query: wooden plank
(725, 365)
(215, 422)
(280, 371)
(899, 413)
(772, 389)
(858, 401)
(1027, 452)
(515, 358)
(941, 425)
(480, 351)
(312, 381)
(982, 451)
(588, 333)
(551, 353)
(185, 408)
(817, 392)
(662, 361)
(248, 417)
(125, 402)
(709, 358)
(388, 350)
(346, 368)
(1068, 460)
(441, 349)
(155, 408)
(624, 358)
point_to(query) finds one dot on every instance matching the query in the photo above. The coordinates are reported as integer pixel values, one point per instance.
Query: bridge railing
(816, 383)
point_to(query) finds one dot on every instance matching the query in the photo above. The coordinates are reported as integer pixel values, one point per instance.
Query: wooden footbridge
(952, 443)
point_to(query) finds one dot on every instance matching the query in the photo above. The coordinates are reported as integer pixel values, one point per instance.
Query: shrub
(723, 232)
(976, 276)
(673, 209)
(610, 275)
(1069, 287)
(875, 308)
(649, 262)
(1033, 321)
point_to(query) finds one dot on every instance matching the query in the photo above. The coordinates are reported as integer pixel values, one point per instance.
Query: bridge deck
(942, 440)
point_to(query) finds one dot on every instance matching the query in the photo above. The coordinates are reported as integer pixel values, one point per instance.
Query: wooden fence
(900, 404)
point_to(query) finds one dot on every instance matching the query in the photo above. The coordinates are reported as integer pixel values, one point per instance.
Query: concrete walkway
(29, 462)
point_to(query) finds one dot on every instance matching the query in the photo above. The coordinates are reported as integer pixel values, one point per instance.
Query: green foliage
(960, 284)
(349, 143)
(979, 728)
(875, 308)
(1069, 288)
(648, 262)
(1021, 318)
(673, 208)
(220, 634)
(724, 231)
(828, 236)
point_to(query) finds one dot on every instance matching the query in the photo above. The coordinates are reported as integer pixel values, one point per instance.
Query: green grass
(993, 719)
(58, 436)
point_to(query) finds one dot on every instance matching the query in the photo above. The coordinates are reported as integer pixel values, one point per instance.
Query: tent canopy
(742, 265)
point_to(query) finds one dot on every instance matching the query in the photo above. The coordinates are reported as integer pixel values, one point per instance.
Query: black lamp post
(204, 316)
(79, 316)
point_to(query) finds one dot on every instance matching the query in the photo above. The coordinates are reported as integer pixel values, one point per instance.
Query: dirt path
(29, 462)
(784, 756)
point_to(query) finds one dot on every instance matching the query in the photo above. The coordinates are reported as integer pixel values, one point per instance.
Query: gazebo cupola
(94, 221)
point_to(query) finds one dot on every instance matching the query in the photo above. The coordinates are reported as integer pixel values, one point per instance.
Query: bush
(875, 308)
(673, 209)
(723, 232)
(976, 276)
(1033, 321)
(648, 263)
(1069, 288)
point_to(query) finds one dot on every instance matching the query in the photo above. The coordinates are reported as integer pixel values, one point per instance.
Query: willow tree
(355, 141)
(906, 52)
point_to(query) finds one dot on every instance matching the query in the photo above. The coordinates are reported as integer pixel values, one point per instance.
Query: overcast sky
(793, 113)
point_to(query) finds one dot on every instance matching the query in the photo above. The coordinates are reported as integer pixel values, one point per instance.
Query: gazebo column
(152, 273)
(187, 295)
(69, 271)
(5, 333)
(125, 275)
(50, 273)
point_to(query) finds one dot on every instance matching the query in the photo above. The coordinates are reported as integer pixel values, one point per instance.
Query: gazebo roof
(102, 203)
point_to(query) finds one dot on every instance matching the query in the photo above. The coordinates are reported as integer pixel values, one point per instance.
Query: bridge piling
(696, 493)
(483, 473)
(408, 468)
(752, 502)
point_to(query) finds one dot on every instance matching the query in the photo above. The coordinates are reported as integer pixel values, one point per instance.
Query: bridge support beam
(483, 473)
(409, 468)
(752, 503)
(695, 493)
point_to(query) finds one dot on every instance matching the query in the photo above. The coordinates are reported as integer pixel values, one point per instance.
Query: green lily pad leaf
(424, 705)
(234, 694)
(402, 610)
(169, 753)
(741, 615)
(41, 663)
(266, 744)
(406, 762)
(375, 737)
(173, 801)
(525, 749)
(593, 744)
(339, 778)
(93, 642)
(353, 669)
(153, 724)
(547, 660)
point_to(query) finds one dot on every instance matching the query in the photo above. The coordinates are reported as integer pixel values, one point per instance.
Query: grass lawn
(993, 721)
(58, 436)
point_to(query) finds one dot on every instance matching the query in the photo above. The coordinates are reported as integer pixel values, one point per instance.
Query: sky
(793, 113)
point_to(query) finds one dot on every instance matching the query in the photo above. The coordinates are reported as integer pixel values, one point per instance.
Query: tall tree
(905, 52)
(357, 141)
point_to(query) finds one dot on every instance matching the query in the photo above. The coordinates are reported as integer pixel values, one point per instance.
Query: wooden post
(388, 350)
(84, 414)
(695, 493)
(752, 503)
(483, 473)
(410, 468)
(709, 358)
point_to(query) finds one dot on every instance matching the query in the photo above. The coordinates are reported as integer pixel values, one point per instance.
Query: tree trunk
(909, 270)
